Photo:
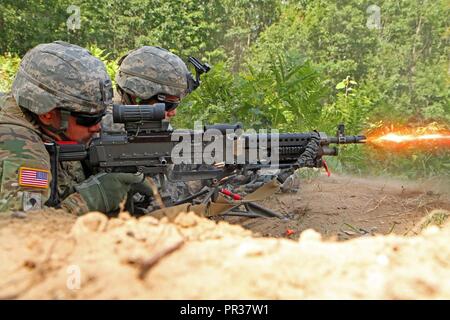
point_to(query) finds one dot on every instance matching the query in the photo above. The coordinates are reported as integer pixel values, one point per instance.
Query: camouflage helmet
(148, 71)
(62, 75)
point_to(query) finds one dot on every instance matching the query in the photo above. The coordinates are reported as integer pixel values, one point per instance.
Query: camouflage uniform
(21, 145)
(50, 75)
(248, 184)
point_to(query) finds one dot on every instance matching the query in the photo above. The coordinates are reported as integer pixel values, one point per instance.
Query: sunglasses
(171, 102)
(170, 99)
(88, 120)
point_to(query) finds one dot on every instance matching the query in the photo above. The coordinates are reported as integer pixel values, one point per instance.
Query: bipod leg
(210, 195)
(192, 197)
(240, 213)
(256, 208)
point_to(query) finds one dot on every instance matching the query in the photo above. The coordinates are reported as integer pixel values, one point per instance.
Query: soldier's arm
(25, 173)
(24, 169)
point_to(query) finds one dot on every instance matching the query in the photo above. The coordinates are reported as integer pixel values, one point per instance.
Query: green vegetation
(291, 65)
(8, 67)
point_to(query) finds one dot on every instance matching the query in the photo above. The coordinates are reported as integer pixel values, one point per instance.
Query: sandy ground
(343, 207)
(391, 253)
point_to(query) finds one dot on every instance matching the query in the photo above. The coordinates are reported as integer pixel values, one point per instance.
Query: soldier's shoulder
(14, 137)
(11, 115)
(24, 161)
(18, 136)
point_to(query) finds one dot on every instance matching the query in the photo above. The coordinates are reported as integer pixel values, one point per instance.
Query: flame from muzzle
(432, 135)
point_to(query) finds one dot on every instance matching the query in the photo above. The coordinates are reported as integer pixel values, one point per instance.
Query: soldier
(60, 94)
(150, 75)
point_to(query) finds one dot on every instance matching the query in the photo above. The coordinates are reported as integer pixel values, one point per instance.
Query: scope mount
(200, 68)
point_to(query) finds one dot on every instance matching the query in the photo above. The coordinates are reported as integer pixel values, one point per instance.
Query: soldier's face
(74, 132)
(171, 113)
(81, 134)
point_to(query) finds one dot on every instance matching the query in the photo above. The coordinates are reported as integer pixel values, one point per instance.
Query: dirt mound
(48, 255)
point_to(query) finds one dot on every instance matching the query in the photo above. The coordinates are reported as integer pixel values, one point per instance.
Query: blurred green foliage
(8, 67)
(212, 29)
(284, 95)
(291, 65)
(104, 56)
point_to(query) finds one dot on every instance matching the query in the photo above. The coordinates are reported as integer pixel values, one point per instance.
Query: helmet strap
(125, 97)
(65, 114)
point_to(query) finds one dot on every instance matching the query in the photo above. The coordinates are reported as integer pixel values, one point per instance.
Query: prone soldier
(150, 75)
(60, 94)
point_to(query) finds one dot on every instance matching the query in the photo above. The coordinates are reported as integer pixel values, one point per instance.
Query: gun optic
(138, 113)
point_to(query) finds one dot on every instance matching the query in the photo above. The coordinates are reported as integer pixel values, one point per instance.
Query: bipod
(245, 209)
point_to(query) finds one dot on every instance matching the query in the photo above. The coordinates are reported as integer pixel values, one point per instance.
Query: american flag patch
(36, 178)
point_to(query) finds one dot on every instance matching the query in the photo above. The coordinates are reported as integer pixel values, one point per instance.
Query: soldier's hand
(105, 191)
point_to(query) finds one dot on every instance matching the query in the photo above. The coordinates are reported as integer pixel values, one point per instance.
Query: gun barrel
(347, 139)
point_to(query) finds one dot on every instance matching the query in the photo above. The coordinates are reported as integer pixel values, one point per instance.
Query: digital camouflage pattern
(62, 75)
(148, 71)
(172, 191)
(21, 145)
(247, 184)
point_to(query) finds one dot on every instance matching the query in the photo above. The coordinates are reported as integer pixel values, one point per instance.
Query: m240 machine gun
(150, 146)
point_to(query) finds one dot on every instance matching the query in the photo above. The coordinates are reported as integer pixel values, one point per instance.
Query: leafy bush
(111, 65)
(285, 95)
(8, 68)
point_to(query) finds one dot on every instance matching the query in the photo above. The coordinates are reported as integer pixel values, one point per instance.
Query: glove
(105, 191)
(309, 158)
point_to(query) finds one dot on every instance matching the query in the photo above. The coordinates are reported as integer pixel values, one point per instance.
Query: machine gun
(148, 145)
